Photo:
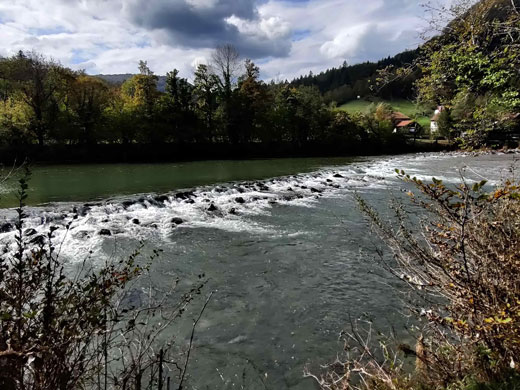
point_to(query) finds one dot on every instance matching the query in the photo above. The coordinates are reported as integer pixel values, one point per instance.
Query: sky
(286, 38)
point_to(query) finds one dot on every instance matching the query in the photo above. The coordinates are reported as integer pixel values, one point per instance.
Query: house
(398, 117)
(434, 124)
(407, 126)
(403, 123)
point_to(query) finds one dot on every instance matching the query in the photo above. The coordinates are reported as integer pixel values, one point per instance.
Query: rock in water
(6, 227)
(105, 232)
(177, 221)
(212, 208)
(30, 232)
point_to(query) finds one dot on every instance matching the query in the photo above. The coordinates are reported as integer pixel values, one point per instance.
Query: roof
(405, 123)
(400, 116)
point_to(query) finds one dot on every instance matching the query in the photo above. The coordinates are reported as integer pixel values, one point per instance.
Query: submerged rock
(6, 227)
(240, 200)
(135, 221)
(162, 198)
(177, 221)
(81, 211)
(315, 190)
(184, 195)
(30, 232)
(212, 208)
(337, 175)
(127, 203)
(105, 232)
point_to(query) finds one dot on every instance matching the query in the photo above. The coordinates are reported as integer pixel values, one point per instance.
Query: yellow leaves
(498, 320)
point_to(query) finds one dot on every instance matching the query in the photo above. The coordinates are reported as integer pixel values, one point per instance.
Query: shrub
(462, 273)
(63, 330)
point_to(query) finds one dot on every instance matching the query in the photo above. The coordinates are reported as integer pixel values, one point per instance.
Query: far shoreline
(171, 153)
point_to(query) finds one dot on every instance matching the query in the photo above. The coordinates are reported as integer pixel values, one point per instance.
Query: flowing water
(285, 249)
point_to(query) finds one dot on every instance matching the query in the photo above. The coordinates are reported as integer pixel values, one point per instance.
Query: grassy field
(404, 106)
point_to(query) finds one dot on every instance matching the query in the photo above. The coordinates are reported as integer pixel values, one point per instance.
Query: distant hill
(118, 79)
(347, 82)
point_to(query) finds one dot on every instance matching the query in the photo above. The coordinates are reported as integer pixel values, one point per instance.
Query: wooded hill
(347, 82)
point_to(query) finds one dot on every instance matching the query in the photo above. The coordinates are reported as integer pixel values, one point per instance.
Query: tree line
(348, 82)
(45, 103)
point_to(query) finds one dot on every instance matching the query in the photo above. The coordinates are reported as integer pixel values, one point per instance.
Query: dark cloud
(203, 24)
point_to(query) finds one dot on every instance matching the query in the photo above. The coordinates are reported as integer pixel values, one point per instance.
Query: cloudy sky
(285, 37)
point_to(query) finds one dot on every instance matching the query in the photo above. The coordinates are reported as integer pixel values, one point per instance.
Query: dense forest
(346, 83)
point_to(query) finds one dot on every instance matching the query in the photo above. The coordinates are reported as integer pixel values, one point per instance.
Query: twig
(191, 340)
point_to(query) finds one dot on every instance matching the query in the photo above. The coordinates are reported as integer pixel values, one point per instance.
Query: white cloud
(201, 4)
(102, 36)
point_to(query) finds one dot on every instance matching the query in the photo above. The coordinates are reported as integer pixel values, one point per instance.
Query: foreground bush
(64, 330)
(461, 267)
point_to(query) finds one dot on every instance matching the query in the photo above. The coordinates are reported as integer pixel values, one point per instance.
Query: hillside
(349, 82)
(407, 107)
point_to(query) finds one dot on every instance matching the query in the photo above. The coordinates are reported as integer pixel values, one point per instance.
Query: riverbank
(149, 153)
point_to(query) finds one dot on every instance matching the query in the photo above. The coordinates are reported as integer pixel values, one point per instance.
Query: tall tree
(206, 86)
(225, 64)
(38, 80)
(253, 102)
(87, 98)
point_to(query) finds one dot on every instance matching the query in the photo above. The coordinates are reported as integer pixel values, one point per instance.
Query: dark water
(290, 263)
(73, 183)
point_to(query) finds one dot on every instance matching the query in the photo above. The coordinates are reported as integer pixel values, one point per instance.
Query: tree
(476, 57)
(140, 95)
(177, 108)
(253, 101)
(206, 86)
(38, 81)
(225, 64)
(87, 98)
(445, 124)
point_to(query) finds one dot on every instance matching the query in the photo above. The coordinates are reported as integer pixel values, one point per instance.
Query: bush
(462, 270)
(61, 330)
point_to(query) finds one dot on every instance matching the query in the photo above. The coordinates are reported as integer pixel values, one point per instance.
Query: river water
(287, 253)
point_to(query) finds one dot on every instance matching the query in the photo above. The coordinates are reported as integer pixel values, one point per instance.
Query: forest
(227, 106)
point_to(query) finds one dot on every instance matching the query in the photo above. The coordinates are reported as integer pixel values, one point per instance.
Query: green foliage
(346, 82)
(473, 68)
(226, 104)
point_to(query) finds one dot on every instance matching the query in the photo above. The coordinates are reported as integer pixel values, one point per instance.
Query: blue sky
(287, 37)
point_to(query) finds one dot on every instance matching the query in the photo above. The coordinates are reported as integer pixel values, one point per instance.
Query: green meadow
(420, 114)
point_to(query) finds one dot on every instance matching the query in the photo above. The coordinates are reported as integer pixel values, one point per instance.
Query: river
(287, 253)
